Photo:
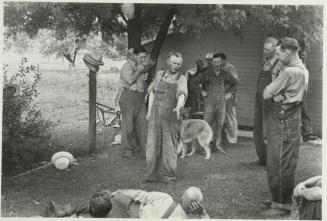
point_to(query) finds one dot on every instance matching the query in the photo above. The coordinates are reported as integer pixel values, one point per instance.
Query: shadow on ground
(232, 189)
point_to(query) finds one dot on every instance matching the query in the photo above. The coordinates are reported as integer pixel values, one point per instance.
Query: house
(246, 55)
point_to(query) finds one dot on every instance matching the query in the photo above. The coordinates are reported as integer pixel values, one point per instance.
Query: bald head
(192, 194)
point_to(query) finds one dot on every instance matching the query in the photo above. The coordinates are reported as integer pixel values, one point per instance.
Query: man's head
(191, 194)
(269, 47)
(287, 50)
(175, 61)
(219, 60)
(100, 204)
(139, 55)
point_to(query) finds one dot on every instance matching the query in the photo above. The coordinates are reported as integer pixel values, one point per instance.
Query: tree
(141, 21)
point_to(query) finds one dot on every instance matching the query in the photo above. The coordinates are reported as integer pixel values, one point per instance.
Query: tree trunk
(157, 45)
(134, 28)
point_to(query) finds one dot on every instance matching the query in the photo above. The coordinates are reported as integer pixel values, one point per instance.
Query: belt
(286, 107)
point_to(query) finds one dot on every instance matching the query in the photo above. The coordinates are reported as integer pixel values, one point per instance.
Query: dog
(195, 129)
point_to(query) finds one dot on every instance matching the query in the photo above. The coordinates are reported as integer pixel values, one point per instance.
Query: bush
(26, 134)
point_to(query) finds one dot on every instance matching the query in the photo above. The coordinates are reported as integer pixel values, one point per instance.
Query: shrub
(26, 134)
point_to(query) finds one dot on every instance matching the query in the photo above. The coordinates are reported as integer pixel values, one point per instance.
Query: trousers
(284, 131)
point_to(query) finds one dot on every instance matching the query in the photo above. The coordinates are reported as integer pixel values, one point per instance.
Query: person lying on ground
(137, 204)
(307, 197)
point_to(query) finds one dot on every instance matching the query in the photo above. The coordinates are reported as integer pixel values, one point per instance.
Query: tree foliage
(153, 20)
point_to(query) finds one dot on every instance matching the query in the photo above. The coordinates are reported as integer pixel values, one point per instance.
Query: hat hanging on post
(93, 60)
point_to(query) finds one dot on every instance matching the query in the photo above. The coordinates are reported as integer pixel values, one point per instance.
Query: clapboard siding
(246, 55)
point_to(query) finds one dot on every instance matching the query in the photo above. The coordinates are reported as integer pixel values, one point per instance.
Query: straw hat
(62, 160)
(93, 60)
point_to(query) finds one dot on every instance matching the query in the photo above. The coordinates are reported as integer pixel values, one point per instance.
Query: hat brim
(92, 67)
(91, 60)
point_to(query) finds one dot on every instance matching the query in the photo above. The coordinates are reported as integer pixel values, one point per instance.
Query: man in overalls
(213, 90)
(284, 125)
(270, 69)
(168, 93)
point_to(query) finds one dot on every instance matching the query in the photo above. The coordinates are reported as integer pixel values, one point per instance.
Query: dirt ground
(231, 188)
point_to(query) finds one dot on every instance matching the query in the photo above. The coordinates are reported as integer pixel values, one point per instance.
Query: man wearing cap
(284, 125)
(132, 104)
(213, 89)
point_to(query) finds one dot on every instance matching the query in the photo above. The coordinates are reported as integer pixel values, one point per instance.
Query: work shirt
(214, 82)
(129, 79)
(292, 83)
(154, 204)
(232, 70)
(170, 78)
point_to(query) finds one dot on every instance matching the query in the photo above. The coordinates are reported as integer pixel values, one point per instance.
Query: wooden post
(92, 110)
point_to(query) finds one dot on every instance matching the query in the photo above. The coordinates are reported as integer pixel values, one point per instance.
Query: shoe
(167, 182)
(266, 202)
(309, 137)
(257, 163)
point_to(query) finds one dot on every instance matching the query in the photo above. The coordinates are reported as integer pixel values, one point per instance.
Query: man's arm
(278, 85)
(129, 74)
(232, 80)
(137, 195)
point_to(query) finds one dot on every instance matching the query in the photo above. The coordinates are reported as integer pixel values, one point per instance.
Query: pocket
(293, 130)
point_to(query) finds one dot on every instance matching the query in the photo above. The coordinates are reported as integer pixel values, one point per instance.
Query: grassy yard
(231, 188)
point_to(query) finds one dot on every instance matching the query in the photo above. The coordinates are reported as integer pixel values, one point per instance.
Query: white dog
(195, 129)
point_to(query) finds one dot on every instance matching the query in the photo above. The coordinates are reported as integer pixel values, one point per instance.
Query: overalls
(284, 133)
(214, 102)
(163, 133)
(261, 114)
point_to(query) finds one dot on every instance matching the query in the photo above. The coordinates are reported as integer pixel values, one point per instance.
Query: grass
(232, 189)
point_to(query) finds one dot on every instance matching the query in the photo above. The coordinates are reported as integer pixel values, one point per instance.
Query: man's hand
(204, 93)
(278, 98)
(148, 115)
(228, 96)
(196, 208)
(298, 189)
(140, 68)
(178, 112)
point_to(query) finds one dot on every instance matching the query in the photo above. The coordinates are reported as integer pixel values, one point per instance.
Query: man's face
(268, 50)
(218, 62)
(140, 58)
(174, 63)
(283, 55)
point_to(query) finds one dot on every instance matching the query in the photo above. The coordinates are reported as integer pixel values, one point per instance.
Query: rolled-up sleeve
(182, 86)
(280, 83)
(128, 73)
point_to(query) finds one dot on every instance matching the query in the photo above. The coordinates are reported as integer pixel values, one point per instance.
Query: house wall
(246, 55)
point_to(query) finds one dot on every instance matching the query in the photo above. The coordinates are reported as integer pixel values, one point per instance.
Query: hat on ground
(14, 87)
(94, 58)
(62, 159)
(209, 56)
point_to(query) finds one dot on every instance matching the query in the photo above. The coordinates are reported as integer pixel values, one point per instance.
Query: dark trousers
(260, 127)
(306, 122)
(282, 153)
(134, 124)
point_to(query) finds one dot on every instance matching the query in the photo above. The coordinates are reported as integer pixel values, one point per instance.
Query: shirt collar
(272, 60)
(295, 63)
